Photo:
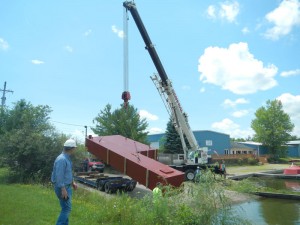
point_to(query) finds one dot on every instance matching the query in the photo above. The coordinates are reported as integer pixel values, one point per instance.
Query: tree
(272, 127)
(172, 142)
(294, 137)
(249, 138)
(28, 142)
(122, 121)
(3, 118)
(78, 157)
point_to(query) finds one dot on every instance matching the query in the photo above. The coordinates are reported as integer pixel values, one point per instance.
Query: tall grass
(201, 203)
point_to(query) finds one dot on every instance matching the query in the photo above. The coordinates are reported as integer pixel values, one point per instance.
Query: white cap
(70, 143)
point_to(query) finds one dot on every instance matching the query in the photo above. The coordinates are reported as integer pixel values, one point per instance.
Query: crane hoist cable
(126, 94)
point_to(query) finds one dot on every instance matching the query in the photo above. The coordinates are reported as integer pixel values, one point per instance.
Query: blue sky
(225, 59)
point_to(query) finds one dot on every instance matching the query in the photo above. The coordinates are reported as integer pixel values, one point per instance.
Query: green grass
(252, 169)
(36, 204)
(27, 204)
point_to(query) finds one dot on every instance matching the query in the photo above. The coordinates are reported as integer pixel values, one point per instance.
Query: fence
(261, 158)
(232, 156)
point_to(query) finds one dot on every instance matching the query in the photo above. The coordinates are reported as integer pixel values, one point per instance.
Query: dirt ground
(236, 197)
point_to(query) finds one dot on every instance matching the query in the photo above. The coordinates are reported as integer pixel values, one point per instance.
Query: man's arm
(60, 169)
(60, 174)
(75, 186)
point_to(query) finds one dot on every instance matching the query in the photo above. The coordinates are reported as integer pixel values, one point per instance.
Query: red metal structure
(292, 170)
(134, 159)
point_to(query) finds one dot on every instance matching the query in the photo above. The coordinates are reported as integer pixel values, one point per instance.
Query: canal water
(269, 211)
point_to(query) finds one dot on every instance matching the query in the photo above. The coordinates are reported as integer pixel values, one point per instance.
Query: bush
(243, 186)
(252, 161)
(238, 161)
(201, 203)
(284, 160)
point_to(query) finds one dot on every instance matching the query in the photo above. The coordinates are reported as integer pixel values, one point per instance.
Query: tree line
(29, 143)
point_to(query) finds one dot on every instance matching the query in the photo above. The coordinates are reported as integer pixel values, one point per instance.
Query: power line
(70, 124)
(75, 125)
(3, 99)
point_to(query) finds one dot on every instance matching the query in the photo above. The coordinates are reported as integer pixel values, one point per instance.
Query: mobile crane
(171, 101)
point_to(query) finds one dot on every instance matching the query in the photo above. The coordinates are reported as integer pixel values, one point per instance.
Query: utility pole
(85, 131)
(3, 96)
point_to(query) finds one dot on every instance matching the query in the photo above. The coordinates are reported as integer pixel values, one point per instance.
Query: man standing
(196, 155)
(157, 193)
(223, 169)
(62, 179)
(197, 175)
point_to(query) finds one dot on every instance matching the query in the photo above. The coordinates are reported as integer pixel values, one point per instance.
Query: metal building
(293, 148)
(219, 143)
(216, 142)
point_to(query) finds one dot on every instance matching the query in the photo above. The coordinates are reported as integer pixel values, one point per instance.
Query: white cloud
(284, 17)
(290, 73)
(245, 30)
(87, 33)
(202, 90)
(235, 69)
(119, 32)
(240, 113)
(238, 133)
(291, 105)
(155, 130)
(3, 44)
(229, 103)
(229, 127)
(145, 114)
(211, 11)
(68, 48)
(186, 88)
(227, 10)
(225, 125)
(37, 62)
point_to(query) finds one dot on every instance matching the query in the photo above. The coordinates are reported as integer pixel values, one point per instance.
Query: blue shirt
(62, 171)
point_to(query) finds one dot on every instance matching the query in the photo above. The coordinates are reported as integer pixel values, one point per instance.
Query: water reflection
(271, 211)
(293, 185)
(277, 211)
(278, 184)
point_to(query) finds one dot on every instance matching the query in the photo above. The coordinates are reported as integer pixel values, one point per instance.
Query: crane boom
(165, 89)
(129, 5)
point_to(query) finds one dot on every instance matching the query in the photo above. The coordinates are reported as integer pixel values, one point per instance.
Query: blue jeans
(66, 206)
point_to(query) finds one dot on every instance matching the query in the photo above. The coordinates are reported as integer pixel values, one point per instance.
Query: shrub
(283, 160)
(240, 161)
(252, 161)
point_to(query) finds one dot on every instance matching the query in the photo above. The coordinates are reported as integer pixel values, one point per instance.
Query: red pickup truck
(91, 164)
